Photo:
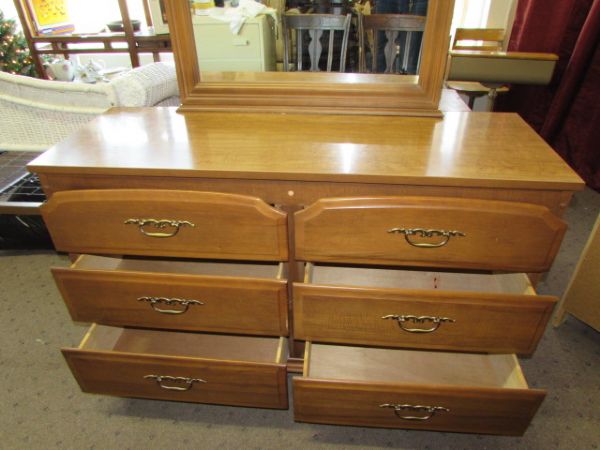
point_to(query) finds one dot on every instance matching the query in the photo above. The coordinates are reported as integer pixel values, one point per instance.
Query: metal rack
(20, 192)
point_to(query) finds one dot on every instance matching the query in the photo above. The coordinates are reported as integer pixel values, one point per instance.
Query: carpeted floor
(44, 409)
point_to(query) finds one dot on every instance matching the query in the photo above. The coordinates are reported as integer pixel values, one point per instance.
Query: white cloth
(237, 16)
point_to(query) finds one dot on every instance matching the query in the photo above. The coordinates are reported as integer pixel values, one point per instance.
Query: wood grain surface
(495, 235)
(461, 149)
(229, 303)
(119, 368)
(347, 385)
(471, 410)
(483, 322)
(223, 226)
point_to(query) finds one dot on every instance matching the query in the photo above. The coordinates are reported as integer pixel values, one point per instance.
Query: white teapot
(91, 72)
(60, 69)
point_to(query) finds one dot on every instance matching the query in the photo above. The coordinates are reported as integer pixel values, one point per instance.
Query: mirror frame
(333, 93)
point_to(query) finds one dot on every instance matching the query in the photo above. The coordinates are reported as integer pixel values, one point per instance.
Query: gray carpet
(43, 407)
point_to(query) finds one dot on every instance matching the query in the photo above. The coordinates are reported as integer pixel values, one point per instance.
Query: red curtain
(566, 113)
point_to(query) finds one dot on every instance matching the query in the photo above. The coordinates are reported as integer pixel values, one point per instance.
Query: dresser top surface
(461, 149)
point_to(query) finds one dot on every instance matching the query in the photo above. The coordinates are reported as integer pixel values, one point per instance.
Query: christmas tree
(14, 53)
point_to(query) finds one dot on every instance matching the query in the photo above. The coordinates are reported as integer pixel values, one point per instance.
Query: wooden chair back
(373, 27)
(314, 25)
(483, 39)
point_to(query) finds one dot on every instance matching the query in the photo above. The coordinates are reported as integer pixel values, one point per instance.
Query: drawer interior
(187, 267)
(510, 283)
(194, 345)
(335, 362)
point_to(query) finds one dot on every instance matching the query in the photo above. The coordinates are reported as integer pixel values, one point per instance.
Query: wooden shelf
(66, 45)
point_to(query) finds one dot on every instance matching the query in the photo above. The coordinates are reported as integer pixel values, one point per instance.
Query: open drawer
(189, 367)
(239, 298)
(498, 313)
(414, 389)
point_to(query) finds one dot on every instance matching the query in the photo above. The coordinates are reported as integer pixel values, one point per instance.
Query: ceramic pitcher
(61, 70)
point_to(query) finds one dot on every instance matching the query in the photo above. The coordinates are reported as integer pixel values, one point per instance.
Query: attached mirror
(250, 87)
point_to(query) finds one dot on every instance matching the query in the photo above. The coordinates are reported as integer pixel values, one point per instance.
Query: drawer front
(172, 301)
(166, 223)
(464, 321)
(471, 410)
(202, 381)
(435, 232)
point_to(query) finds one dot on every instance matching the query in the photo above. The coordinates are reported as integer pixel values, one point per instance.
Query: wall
(500, 13)
(483, 14)
(8, 8)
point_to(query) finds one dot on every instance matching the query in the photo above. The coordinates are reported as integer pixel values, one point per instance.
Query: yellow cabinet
(220, 50)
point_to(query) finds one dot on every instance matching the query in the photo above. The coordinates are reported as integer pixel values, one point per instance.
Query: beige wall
(483, 13)
(500, 13)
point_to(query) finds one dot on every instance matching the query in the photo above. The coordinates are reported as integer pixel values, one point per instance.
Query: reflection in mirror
(350, 36)
(242, 86)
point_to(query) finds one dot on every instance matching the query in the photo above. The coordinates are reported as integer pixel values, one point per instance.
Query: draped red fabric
(566, 112)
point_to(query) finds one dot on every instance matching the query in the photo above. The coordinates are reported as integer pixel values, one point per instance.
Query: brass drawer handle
(189, 382)
(159, 224)
(408, 232)
(429, 410)
(154, 301)
(437, 321)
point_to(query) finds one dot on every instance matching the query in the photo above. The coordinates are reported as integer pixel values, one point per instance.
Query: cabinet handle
(188, 382)
(437, 321)
(429, 410)
(159, 224)
(154, 301)
(408, 232)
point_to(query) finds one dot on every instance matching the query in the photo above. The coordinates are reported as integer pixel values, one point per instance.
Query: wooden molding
(332, 93)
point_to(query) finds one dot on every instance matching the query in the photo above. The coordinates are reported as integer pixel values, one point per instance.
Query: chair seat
(474, 89)
(481, 39)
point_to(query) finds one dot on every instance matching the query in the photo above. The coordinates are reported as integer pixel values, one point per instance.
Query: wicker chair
(36, 114)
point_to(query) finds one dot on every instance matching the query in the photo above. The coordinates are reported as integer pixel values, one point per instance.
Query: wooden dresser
(384, 258)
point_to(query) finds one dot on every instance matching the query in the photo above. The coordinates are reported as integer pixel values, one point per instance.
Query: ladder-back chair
(374, 27)
(296, 27)
(477, 39)
(482, 39)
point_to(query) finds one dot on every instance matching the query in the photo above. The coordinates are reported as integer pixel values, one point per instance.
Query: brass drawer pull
(429, 410)
(159, 224)
(154, 301)
(407, 232)
(437, 321)
(189, 382)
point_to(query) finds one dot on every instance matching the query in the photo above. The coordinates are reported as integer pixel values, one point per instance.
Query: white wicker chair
(36, 114)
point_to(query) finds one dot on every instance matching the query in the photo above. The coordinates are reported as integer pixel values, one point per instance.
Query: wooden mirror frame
(335, 93)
